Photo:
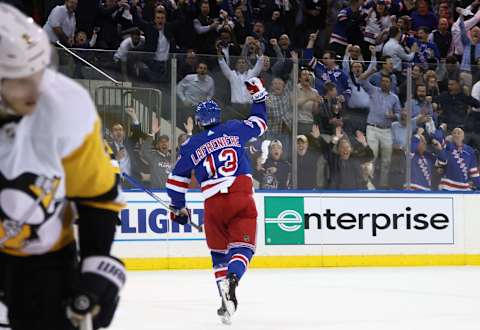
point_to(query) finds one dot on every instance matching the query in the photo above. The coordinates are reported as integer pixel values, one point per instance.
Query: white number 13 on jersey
(226, 165)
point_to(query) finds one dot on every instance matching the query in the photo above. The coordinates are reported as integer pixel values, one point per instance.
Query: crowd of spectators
(355, 112)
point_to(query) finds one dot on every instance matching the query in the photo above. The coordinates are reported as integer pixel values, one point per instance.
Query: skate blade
(229, 305)
(225, 318)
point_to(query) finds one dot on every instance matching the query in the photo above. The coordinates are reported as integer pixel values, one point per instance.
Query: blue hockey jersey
(322, 75)
(339, 33)
(422, 167)
(217, 155)
(461, 172)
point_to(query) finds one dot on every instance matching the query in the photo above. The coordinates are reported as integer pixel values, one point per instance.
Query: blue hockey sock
(239, 259)
(220, 266)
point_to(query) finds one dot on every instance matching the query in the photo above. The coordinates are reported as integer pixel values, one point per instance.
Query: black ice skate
(229, 299)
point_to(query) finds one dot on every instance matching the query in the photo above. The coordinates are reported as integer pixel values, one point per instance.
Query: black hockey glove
(182, 216)
(97, 290)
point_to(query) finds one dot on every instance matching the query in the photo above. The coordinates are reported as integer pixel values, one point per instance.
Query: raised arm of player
(256, 124)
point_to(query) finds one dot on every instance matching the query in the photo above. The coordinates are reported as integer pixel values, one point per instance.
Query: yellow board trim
(311, 261)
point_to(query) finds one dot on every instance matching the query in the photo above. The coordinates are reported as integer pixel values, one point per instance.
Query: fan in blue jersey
(222, 167)
(422, 162)
(460, 161)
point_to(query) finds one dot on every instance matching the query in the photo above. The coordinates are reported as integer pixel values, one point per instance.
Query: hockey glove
(182, 216)
(97, 290)
(256, 90)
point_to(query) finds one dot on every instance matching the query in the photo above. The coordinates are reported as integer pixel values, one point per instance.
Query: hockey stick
(140, 186)
(88, 63)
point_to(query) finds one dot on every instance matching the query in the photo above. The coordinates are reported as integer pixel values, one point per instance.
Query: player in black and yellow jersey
(54, 170)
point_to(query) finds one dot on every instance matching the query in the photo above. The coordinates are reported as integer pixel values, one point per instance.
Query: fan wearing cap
(159, 159)
(307, 164)
(53, 159)
(310, 163)
(276, 171)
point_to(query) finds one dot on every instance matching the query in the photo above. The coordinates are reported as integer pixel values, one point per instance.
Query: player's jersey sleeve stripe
(260, 123)
(90, 174)
(177, 183)
(177, 188)
(179, 179)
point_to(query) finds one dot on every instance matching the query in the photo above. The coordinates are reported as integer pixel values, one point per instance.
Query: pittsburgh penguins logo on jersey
(26, 202)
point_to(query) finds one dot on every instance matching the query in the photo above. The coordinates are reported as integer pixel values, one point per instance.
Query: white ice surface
(300, 299)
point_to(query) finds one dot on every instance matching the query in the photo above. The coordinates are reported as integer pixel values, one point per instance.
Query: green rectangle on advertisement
(284, 220)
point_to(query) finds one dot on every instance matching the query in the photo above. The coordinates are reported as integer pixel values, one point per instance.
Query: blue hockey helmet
(207, 113)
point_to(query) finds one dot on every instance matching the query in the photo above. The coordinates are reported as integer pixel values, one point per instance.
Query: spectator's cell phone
(96, 29)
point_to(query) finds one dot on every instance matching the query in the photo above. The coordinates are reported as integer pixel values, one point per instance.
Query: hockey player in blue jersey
(222, 167)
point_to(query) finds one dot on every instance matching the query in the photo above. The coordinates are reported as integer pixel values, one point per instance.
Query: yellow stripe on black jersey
(90, 175)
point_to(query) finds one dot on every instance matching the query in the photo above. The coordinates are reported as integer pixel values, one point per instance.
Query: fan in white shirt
(237, 78)
(61, 23)
(135, 42)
